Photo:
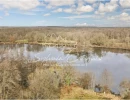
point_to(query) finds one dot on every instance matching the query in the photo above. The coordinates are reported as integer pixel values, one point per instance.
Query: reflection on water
(117, 62)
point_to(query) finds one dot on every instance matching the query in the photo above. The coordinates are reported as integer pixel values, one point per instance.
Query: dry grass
(75, 92)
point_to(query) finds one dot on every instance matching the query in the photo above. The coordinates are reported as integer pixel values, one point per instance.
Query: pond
(116, 62)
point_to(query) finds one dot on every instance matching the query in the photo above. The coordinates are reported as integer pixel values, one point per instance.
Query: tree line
(106, 37)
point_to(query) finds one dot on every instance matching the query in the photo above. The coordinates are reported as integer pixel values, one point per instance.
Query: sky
(99, 13)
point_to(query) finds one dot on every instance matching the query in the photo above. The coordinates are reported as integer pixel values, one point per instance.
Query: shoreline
(103, 47)
(70, 45)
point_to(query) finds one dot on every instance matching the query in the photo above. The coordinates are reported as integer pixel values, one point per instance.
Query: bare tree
(106, 80)
(125, 89)
(87, 81)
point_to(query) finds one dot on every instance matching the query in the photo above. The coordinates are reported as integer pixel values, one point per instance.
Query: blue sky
(105, 13)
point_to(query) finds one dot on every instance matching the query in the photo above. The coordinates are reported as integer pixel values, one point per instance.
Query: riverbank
(44, 44)
(106, 47)
(75, 46)
(112, 38)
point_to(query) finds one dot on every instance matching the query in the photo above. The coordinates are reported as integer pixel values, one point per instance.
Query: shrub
(99, 39)
(85, 81)
(68, 75)
(9, 81)
(44, 84)
(125, 89)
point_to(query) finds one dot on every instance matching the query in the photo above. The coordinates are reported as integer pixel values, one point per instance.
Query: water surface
(116, 62)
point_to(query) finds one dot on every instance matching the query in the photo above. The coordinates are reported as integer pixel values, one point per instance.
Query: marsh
(116, 62)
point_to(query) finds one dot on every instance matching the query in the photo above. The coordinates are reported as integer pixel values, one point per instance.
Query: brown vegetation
(20, 79)
(95, 37)
(125, 89)
(75, 92)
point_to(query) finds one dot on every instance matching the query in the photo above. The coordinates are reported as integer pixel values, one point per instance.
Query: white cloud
(28, 13)
(49, 6)
(48, 14)
(59, 2)
(25, 13)
(78, 17)
(111, 17)
(126, 9)
(95, 5)
(1, 8)
(125, 3)
(81, 24)
(82, 16)
(58, 10)
(122, 17)
(69, 10)
(90, 1)
(84, 24)
(6, 14)
(37, 10)
(82, 8)
(19, 4)
(108, 7)
(86, 8)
